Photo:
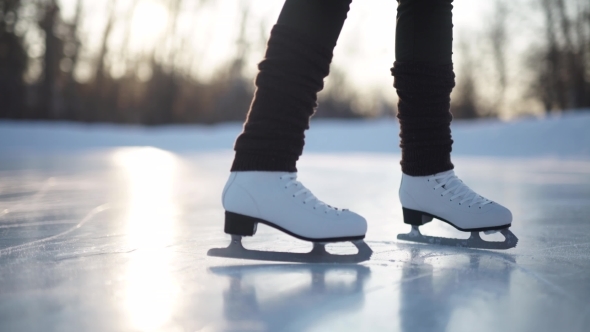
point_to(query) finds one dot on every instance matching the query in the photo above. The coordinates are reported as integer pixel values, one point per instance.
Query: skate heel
(413, 217)
(238, 224)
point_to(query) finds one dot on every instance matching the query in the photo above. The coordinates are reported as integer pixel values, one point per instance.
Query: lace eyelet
(293, 196)
(480, 207)
(441, 195)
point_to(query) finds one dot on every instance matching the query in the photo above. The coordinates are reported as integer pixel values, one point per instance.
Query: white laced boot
(277, 199)
(445, 197)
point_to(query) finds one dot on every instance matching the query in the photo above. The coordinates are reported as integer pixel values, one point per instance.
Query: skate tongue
(449, 178)
(443, 175)
(310, 197)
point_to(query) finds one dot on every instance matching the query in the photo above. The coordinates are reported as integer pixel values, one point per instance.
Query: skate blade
(474, 241)
(317, 255)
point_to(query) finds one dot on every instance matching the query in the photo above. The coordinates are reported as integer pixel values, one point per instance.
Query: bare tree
(51, 58)
(13, 62)
(498, 36)
(72, 50)
(464, 102)
(101, 74)
(562, 66)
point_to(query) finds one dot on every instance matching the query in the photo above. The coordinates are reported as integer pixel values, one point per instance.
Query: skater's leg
(263, 186)
(424, 79)
(297, 60)
(424, 32)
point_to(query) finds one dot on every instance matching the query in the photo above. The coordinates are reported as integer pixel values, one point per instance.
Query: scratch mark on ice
(87, 218)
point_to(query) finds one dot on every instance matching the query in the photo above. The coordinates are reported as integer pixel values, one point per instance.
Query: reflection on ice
(151, 218)
(289, 297)
(440, 300)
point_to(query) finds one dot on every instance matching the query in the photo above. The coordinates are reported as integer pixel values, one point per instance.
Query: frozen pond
(116, 240)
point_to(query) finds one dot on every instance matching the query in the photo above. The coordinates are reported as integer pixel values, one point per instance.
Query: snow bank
(560, 136)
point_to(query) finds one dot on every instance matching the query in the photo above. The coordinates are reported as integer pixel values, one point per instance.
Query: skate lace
(310, 197)
(453, 185)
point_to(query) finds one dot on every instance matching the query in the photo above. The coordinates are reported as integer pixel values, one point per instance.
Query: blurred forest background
(189, 61)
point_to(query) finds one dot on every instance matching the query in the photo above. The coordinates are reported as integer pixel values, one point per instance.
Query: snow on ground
(564, 136)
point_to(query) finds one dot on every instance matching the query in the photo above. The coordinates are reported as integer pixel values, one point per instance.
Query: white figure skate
(278, 200)
(444, 196)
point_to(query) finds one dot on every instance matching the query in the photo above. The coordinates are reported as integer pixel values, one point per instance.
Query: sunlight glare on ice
(151, 290)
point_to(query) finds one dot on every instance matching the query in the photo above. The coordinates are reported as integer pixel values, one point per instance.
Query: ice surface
(115, 239)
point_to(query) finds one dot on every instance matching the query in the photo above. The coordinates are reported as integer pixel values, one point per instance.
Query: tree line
(529, 55)
(40, 52)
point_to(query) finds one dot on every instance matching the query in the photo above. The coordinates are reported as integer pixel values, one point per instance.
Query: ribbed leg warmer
(424, 78)
(423, 112)
(297, 60)
(290, 77)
